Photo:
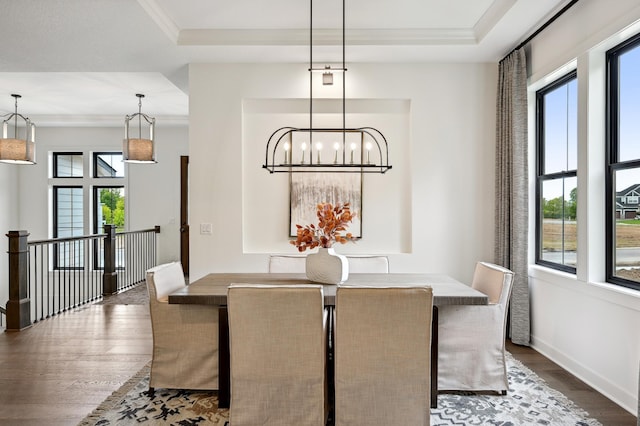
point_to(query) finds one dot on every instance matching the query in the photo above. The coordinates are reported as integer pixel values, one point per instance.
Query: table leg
(434, 358)
(224, 369)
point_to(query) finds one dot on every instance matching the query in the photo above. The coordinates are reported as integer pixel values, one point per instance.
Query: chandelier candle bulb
(368, 146)
(303, 148)
(286, 152)
(336, 146)
(353, 148)
(318, 149)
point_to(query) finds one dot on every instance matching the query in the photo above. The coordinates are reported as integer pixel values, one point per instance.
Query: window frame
(542, 177)
(55, 155)
(95, 189)
(613, 164)
(55, 188)
(95, 198)
(94, 164)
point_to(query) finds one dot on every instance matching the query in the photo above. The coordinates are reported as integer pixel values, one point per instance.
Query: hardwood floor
(60, 369)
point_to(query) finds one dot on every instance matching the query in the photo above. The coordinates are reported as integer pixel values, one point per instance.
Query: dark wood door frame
(184, 213)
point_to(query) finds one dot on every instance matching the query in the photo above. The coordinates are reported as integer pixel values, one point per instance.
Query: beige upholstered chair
(382, 355)
(185, 337)
(278, 341)
(287, 263)
(368, 264)
(357, 264)
(472, 338)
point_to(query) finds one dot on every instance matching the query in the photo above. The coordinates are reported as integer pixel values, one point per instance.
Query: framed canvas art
(307, 190)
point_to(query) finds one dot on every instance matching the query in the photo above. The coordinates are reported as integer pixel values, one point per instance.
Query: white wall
(438, 198)
(153, 190)
(587, 326)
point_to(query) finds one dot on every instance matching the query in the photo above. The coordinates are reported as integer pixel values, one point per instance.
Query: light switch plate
(206, 229)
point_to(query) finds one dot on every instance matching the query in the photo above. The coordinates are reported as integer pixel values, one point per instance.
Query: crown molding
(492, 17)
(325, 37)
(161, 19)
(101, 120)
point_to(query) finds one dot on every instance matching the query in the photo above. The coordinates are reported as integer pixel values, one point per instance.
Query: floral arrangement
(332, 220)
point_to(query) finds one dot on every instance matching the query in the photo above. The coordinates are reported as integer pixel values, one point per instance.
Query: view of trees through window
(558, 208)
(110, 209)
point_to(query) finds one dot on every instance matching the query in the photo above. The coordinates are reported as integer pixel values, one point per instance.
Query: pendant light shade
(15, 150)
(137, 149)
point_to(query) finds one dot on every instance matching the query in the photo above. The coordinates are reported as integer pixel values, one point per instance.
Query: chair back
(287, 264)
(494, 281)
(368, 264)
(277, 340)
(163, 280)
(382, 355)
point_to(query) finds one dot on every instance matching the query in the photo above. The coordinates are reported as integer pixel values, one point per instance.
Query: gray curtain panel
(511, 187)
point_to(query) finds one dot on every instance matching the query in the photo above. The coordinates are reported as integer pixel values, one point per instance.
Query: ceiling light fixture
(15, 150)
(138, 149)
(357, 150)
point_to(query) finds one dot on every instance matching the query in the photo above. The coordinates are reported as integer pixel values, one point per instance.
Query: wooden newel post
(110, 277)
(19, 305)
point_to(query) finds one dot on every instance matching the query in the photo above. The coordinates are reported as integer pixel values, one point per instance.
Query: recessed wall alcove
(266, 196)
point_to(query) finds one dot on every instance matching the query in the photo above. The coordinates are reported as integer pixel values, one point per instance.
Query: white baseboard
(620, 396)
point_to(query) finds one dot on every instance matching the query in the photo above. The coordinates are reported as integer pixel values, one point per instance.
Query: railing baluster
(61, 274)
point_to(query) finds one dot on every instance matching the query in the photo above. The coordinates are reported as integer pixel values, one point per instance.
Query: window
(108, 164)
(67, 164)
(68, 222)
(108, 207)
(84, 200)
(556, 184)
(623, 164)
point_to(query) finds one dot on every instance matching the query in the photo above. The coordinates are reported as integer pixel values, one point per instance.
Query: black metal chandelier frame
(367, 140)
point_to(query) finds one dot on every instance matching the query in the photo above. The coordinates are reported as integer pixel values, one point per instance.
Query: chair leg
(330, 368)
(503, 392)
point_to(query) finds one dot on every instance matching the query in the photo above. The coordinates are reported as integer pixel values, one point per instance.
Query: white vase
(327, 267)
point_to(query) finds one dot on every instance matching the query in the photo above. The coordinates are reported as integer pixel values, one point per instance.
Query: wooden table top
(212, 289)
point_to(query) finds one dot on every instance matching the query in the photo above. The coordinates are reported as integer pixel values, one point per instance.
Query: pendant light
(13, 149)
(347, 150)
(137, 149)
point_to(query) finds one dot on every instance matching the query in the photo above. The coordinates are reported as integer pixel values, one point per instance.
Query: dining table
(212, 288)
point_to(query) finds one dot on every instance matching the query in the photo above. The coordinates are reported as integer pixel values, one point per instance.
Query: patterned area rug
(530, 401)
(137, 295)
(131, 405)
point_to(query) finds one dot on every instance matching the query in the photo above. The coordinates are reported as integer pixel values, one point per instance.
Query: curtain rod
(542, 27)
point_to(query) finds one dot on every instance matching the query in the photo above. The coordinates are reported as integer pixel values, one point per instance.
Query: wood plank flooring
(60, 369)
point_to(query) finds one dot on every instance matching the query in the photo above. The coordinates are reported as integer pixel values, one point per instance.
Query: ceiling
(79, 62)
